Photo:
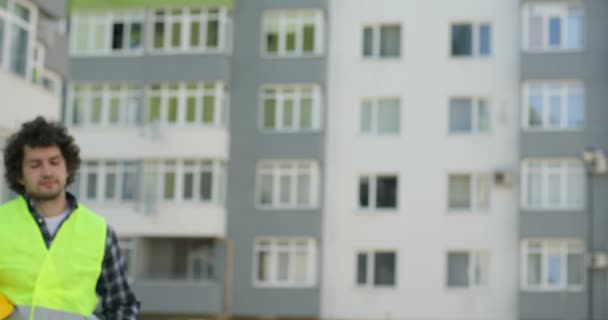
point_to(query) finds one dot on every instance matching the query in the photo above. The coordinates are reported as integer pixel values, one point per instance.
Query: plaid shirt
(117, 300)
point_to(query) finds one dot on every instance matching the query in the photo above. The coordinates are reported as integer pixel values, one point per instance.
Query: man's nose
(46, 169)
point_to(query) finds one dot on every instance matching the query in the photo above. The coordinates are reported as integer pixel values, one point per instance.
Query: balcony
(25, 101)
(159, 143)
(176, 275)
(175, 297)
(179, 197)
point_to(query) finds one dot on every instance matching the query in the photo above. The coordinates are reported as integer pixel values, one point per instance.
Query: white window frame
(546, 10)
(38, 56)
(473, 192)
(476, 102)
(280, 97)
(476, 39)
(371, 259)
(273, 250)
(117, 170)
(129, 167)
(565, 88)
(86, 168)
(563, 245)
(282, 25)
(129, 245)
(128, 113)
(217, 169)
(169, 166)
(122, 166)
(273, 167)
(205, 254)
(545, 171)
(477, 258)
(191, 167)
(377, 41)
(373, 184)
(10, 20)
(185, 19)
(182, 93)
(106, 19)
(375, 122)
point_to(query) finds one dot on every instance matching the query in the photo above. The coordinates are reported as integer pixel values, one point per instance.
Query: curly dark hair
(38, 133)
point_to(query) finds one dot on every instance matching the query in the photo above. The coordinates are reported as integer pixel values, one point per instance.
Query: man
(56, 256)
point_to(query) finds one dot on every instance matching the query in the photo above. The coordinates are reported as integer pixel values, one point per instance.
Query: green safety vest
(54, 283)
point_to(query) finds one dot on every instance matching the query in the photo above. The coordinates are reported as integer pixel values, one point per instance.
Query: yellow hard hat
(6, 307)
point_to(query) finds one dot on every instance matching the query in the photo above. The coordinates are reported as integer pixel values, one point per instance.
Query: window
(17, 29)
(553, 27)
(383, 41)
(469, 115)
(468, 192)
(376, 269)
(184, 181)
(378, 192)
(38, 62)
(291, 108)
(380, 116)
(469, 39)
(467, 269)
(92, 105)
(201, 264)
(185, 104)
(180, 181)
(553, 265)
(288, 184)
(47, 79)
(188, 29)
(553, 105)
(127, 251)
(107, 32)
(285, 262)
(112, 180)
(553, 184)
(293, 33)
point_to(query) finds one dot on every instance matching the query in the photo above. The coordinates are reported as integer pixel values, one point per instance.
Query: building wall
(249, 71)
(421, 230)
(589, 66)
(156, 226)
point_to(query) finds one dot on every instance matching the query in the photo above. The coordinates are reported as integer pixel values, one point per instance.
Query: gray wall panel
(553, 305)
(150, 68)
(590, 66)
(250, 70)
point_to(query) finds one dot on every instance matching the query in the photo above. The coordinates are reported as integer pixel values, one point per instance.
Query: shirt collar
(70, 198)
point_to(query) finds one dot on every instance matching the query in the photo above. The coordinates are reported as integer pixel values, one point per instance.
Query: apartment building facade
(147, 102)
(157, 92)
(344, 159)
(33, 64)
(277, 167)
(563, 215)
(420, 218)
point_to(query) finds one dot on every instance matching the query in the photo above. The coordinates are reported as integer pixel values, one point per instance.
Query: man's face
(44, 172)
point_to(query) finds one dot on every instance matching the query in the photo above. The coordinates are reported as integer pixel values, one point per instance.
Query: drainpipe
(228, 279)
(590, 247)
(595, 164)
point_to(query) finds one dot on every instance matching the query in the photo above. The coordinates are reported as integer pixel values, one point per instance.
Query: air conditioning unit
(503, 178)
(599, 260)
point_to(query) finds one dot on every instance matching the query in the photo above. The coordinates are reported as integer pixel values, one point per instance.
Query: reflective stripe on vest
(63, 277)
(23, 313)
